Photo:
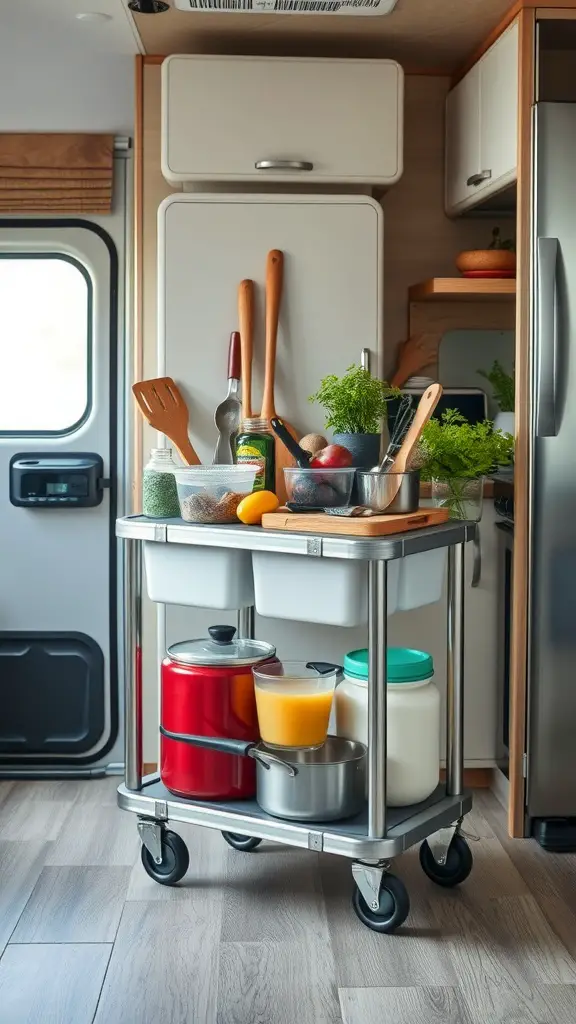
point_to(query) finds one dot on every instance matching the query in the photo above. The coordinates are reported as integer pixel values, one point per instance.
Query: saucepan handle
(324, 668)
(222, 744)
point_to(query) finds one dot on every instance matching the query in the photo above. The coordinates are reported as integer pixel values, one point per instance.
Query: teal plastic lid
(404, 665)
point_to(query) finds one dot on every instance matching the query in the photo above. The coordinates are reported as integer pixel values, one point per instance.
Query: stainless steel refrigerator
(551, 760)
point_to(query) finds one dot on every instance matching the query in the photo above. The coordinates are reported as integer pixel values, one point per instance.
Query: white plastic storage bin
(329, 591)
(421, 579)
(198, 577)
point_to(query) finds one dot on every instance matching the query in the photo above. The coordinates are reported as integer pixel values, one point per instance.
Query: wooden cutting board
(372, 526)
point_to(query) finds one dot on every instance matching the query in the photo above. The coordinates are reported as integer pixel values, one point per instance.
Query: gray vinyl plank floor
(267, 937)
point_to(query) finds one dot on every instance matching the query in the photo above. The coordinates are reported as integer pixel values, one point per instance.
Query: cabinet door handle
(284, 165)
(477, 179)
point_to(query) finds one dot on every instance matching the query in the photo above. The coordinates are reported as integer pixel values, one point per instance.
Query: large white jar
(413, 765)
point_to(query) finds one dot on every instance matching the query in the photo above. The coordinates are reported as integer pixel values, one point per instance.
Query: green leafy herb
(502, 386)
(452, 448)
(501, 243)
(355, 403)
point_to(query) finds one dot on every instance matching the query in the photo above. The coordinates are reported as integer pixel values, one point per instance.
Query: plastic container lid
(220, 649)
(404, 665)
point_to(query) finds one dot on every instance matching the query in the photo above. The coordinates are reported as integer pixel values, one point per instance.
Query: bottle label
(254, 453)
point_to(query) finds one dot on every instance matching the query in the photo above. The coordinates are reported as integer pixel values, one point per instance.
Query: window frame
(66, 258)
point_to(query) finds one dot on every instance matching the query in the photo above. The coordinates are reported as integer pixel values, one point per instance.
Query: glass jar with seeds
(159, 493)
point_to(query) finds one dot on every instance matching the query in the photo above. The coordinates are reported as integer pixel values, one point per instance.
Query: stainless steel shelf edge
(280, 542)
(334, 838)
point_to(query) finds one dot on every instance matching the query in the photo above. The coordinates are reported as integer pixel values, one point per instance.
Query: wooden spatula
(426, 407)
(274, 281)
(246, 326)
(161, 403)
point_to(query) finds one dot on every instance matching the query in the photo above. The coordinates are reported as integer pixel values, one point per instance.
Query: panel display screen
(57, 488)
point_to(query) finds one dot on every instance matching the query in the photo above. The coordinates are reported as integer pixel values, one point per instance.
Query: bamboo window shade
(56, 173)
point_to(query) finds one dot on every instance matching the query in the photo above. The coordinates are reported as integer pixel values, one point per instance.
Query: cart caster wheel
(238, 842)
(174, 863)
(393, 909)
(457, 867)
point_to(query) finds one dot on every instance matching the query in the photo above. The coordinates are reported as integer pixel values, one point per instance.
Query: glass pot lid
(221, 648)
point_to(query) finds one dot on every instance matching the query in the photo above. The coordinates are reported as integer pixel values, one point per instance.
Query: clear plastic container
(159, 494)
(323, 488)
(294, 701)
(211, 494)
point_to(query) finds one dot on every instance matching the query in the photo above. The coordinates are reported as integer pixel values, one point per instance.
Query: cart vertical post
(377, 693)
(455, 673)
(246, 623)
(133, 665)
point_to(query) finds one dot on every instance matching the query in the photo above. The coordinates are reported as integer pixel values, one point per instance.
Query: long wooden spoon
(274, 281)
(161, 403)
(246, 327)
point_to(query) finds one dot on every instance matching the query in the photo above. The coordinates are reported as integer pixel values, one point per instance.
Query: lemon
(253, 506)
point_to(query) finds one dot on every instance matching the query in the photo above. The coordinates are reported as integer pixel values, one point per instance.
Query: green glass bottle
(255, 445)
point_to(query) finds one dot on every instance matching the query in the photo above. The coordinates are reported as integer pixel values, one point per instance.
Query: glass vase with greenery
(455, 454)
(355, 406)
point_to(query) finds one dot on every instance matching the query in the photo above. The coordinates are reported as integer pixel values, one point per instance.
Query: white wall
(64, 75)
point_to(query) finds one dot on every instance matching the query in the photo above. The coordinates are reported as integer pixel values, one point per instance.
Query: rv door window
(45, 343)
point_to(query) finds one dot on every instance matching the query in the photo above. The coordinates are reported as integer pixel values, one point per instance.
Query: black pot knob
(222, 634)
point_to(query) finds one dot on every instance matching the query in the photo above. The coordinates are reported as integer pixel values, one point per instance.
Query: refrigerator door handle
(547, 330)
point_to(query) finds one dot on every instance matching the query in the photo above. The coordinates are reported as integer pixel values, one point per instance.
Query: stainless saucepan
(326, 784)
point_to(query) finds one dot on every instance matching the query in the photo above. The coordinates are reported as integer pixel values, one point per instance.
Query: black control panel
(39, 480)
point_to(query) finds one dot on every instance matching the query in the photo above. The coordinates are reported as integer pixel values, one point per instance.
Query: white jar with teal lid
(413, 764)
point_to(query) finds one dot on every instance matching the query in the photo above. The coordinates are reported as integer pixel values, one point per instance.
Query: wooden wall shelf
(464, 289)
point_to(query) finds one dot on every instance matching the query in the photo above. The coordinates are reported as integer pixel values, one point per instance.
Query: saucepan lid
(221, 648)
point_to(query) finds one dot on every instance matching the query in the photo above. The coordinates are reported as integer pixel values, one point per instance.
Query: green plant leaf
(451, 448)
(503, 386)
(355, 403)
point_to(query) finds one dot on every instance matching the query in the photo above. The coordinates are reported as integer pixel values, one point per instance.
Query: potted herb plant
(456, 456)
(503, 394)
(355, 406)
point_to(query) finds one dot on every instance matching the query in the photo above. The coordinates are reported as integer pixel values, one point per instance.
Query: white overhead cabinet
(482, 127)
(282, 120)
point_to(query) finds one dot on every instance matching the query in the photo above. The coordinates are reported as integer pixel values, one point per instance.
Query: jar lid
(403, 665)
(220, 648)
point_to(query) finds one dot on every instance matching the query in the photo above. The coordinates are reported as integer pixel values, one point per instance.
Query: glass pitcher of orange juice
(294, 701)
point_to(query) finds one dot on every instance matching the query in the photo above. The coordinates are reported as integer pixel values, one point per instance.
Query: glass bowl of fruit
(319, 488)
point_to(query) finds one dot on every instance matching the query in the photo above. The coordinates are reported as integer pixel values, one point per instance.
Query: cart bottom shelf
(407, 826)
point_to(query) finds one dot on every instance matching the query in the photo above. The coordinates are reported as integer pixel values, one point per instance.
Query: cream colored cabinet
(482, 127)
(269, 119)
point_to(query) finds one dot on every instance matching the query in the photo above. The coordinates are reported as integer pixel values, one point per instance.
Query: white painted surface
(223, 114)
(60, 74)
(482, 125)
(462, 138)
(499, 110)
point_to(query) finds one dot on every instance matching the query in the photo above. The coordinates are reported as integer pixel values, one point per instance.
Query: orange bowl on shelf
(486, 259)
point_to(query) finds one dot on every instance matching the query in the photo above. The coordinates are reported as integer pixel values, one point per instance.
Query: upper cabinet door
(281, 120)
(499, 111)
(482, 127)
(462, 138)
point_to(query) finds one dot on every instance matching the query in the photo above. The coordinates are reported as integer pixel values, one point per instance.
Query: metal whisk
(402, 421)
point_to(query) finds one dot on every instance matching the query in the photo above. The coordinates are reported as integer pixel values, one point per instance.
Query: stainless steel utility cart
(373, 838)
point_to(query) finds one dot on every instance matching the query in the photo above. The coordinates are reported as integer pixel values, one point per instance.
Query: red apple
(334, 456)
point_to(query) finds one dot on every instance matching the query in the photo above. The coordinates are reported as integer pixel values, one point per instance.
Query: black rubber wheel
(457, 867)
(238, 842)
(174, 863)
(393, 908)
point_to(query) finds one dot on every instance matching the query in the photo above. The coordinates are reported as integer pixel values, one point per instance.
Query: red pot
(208, 690)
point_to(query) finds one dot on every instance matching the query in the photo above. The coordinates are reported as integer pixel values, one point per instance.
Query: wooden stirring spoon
(274, 282)
(246, 327)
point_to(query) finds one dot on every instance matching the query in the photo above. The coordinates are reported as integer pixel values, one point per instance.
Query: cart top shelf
(254, 538)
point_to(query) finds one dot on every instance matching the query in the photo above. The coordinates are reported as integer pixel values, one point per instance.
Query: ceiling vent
(148, 6)
(353, 7)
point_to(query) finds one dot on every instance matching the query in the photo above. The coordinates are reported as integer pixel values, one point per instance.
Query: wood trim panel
(138, 340)
(553, 14)
(154, 58)
(463, 289)
(519, 642)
